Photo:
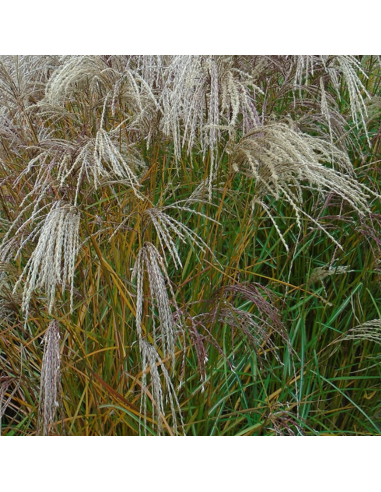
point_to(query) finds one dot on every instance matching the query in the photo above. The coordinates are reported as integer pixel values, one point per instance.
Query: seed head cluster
(52, 262)
(50, 385)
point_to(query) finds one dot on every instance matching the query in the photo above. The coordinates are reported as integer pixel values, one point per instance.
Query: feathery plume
(257, 326)
(151, 363)
(50, 385)
(150, 264)
(284, 163)
(339, 68)
(52, 262)
(166, 226)
(370, 330)
(203, 95)
(91, 161)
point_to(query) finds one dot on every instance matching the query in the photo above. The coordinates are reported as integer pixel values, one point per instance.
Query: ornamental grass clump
(203, 230)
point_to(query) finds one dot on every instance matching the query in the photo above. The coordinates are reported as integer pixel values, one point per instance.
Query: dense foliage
(190, 244)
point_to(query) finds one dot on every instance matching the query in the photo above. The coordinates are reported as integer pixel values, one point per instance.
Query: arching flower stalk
(339, 68)
(370, 331)
(284, 163)
(52, 263)
(150, 264)
(166, 226)
(203, 96)
(258, 326)
(115, 80)
(101, 160)
(73, 70)
(151, 362)
(50, 384)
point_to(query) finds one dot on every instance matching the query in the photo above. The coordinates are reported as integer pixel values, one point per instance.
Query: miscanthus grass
(190, 245)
